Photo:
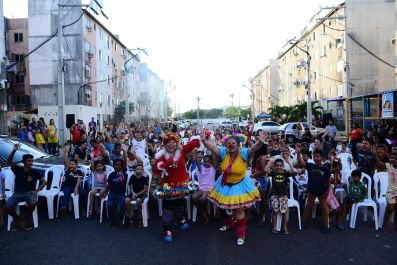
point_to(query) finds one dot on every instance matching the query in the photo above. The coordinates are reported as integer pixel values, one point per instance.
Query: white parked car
(267, 126)
(291, 133)
(226, 124)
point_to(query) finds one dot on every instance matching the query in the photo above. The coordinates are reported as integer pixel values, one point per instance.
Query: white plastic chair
(74, 198)
(346, 160)
(194, 214)
(291, 204)
(368, 202)
(57, 173)
(86, 170)
(9, 190)
(380, 184)
(103, 200)
(96, 194)
(145, 209)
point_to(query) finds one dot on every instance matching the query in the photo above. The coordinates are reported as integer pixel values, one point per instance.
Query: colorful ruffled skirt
(239, 195)
(168, 192)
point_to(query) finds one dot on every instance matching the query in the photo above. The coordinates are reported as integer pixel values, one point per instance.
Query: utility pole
(232, 96)
(61, 83)
(198, 108)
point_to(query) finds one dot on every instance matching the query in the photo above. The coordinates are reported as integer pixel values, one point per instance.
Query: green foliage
(204, 114)
(245, 112)
(232, 112)
(283, 114)
(119, 110)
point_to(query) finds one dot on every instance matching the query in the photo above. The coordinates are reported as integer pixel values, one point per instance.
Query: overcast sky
(207, 48)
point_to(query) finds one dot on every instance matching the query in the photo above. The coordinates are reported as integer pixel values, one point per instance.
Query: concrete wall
(3, 92)
(372, 23)
(43, 22)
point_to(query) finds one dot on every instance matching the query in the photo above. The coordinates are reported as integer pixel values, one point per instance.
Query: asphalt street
(86, 241)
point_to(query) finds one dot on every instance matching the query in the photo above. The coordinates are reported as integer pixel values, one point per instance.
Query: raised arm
(255, 148)
(210, 146)
(11, 156)
(301, 163)
(65, 156)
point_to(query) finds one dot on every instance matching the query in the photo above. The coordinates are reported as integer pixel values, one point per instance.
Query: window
(314, 35)
(20, 100)
(108, 100)
(108, 41)
(19, 78)
(330, 45)
(100, 34)
(108, 79)
(18, 37)
(87, 46)
(19, 58)
(324, 53)
(323, 29)
(108, 60)
(100, 55)
(100, 98)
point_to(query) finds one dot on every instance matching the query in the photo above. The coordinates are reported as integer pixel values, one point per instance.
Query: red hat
(171, 136)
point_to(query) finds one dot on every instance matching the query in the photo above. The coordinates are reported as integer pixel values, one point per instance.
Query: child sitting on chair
(206, 178)
(357, 192)
(99, 182)
(116, 187)
(138, 186)
(71, 182)
(279, 191)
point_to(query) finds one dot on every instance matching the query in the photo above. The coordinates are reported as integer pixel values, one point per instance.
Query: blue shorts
(263, 183)
(16, 198)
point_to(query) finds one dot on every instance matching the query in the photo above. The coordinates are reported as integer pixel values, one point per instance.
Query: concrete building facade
(95, 63)
(18, 69)
(152, 101)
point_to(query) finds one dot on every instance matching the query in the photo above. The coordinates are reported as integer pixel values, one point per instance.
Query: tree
(294, 113)
(245, 112)
(213, 113)
(232, 112)
(119, 111)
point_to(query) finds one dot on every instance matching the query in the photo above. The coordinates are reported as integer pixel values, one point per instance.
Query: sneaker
(184, 225)
(339, 226)
(224, 228)
(168, 236)
(325, 230)
(240, 241)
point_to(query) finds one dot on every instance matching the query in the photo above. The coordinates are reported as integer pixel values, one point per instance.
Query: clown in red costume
(175, 183)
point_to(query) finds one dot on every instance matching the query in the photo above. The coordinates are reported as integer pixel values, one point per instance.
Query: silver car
(291, 133)
(271, 127)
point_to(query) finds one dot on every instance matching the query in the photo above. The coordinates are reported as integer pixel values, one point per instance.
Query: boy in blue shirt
(116, 185)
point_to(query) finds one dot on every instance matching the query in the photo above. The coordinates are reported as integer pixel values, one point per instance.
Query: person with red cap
(175, 183)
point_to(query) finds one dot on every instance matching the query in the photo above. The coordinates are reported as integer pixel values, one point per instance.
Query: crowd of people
(233, 169)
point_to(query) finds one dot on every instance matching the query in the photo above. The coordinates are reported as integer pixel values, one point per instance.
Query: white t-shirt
(140, 147)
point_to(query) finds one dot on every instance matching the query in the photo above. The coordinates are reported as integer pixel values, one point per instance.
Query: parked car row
(289, 131)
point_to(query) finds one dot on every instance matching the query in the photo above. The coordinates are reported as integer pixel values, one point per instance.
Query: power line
(366, 49)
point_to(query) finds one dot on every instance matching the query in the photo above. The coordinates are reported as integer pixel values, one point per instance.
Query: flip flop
(286, 232)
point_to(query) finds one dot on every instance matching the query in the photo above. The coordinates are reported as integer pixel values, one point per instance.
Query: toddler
(357, 192)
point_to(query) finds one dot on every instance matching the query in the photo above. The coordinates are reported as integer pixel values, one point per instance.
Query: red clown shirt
(173, 169)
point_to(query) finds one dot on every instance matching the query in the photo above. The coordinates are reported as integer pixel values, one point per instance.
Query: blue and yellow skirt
(239, 195)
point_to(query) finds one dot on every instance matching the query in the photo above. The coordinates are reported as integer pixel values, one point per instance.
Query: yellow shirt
(239, 166)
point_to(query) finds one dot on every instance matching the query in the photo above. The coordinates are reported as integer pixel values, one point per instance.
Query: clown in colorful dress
(175, 183)
(234, 190)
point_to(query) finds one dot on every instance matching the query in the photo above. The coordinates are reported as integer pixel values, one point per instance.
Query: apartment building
(95, 61)
(17, 69)
(153, 99)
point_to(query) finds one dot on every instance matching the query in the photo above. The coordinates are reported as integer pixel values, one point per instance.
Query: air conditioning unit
(90, 55)
(89, 28)
(301, 64)
(123, 72)
(87, 72)
(297, 83)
